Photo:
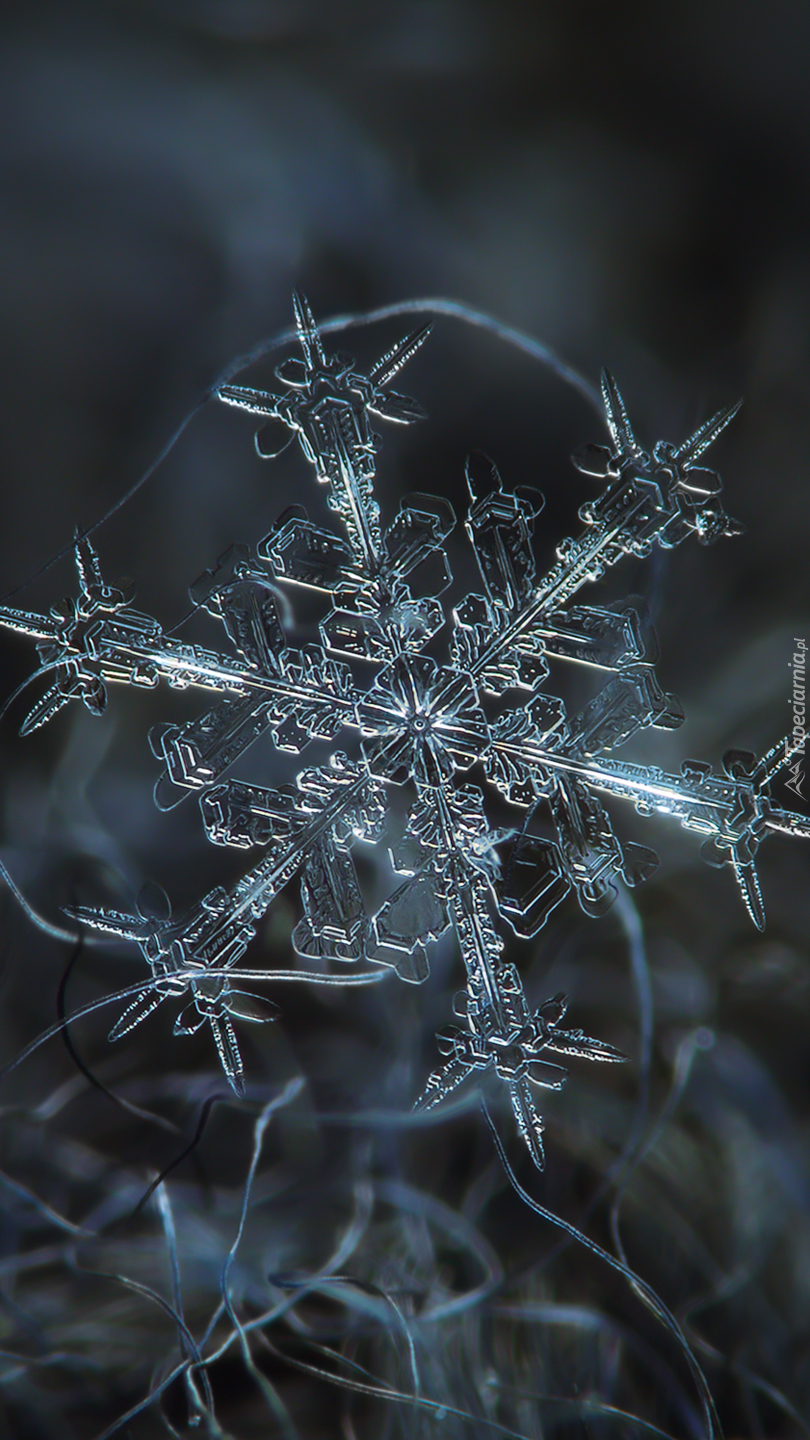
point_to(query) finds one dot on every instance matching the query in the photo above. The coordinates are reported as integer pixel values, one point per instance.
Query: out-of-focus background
(631, 185)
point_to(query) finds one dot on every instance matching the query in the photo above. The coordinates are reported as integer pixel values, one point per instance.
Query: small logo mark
(795, 744)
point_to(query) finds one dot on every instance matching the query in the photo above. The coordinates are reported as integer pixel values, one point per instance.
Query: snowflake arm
(215, 934)
(329, 409)
(511, 1041)
(502, 1035)
(298, 695)
(648, 499)
(733, 812)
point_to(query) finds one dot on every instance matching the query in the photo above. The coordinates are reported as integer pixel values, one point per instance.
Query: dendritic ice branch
(415, 721)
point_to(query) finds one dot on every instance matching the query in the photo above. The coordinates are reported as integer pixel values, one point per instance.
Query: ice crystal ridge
(418, 721)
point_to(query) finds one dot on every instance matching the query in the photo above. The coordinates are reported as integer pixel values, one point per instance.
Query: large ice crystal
(453, 733)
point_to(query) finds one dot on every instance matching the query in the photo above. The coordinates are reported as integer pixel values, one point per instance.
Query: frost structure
(418, 722)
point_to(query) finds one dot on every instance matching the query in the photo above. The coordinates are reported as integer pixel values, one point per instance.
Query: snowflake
(418, 724)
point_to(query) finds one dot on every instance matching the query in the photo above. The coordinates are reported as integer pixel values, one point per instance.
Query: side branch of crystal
(324, 806)
(327, 404)
(455, 729)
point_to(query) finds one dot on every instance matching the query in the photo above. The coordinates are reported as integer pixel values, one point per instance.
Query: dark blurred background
(628, 183)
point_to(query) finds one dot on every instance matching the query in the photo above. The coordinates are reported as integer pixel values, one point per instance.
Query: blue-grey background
(629, 183)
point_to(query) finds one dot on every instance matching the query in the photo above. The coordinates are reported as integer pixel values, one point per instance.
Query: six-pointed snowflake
(417, 722)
